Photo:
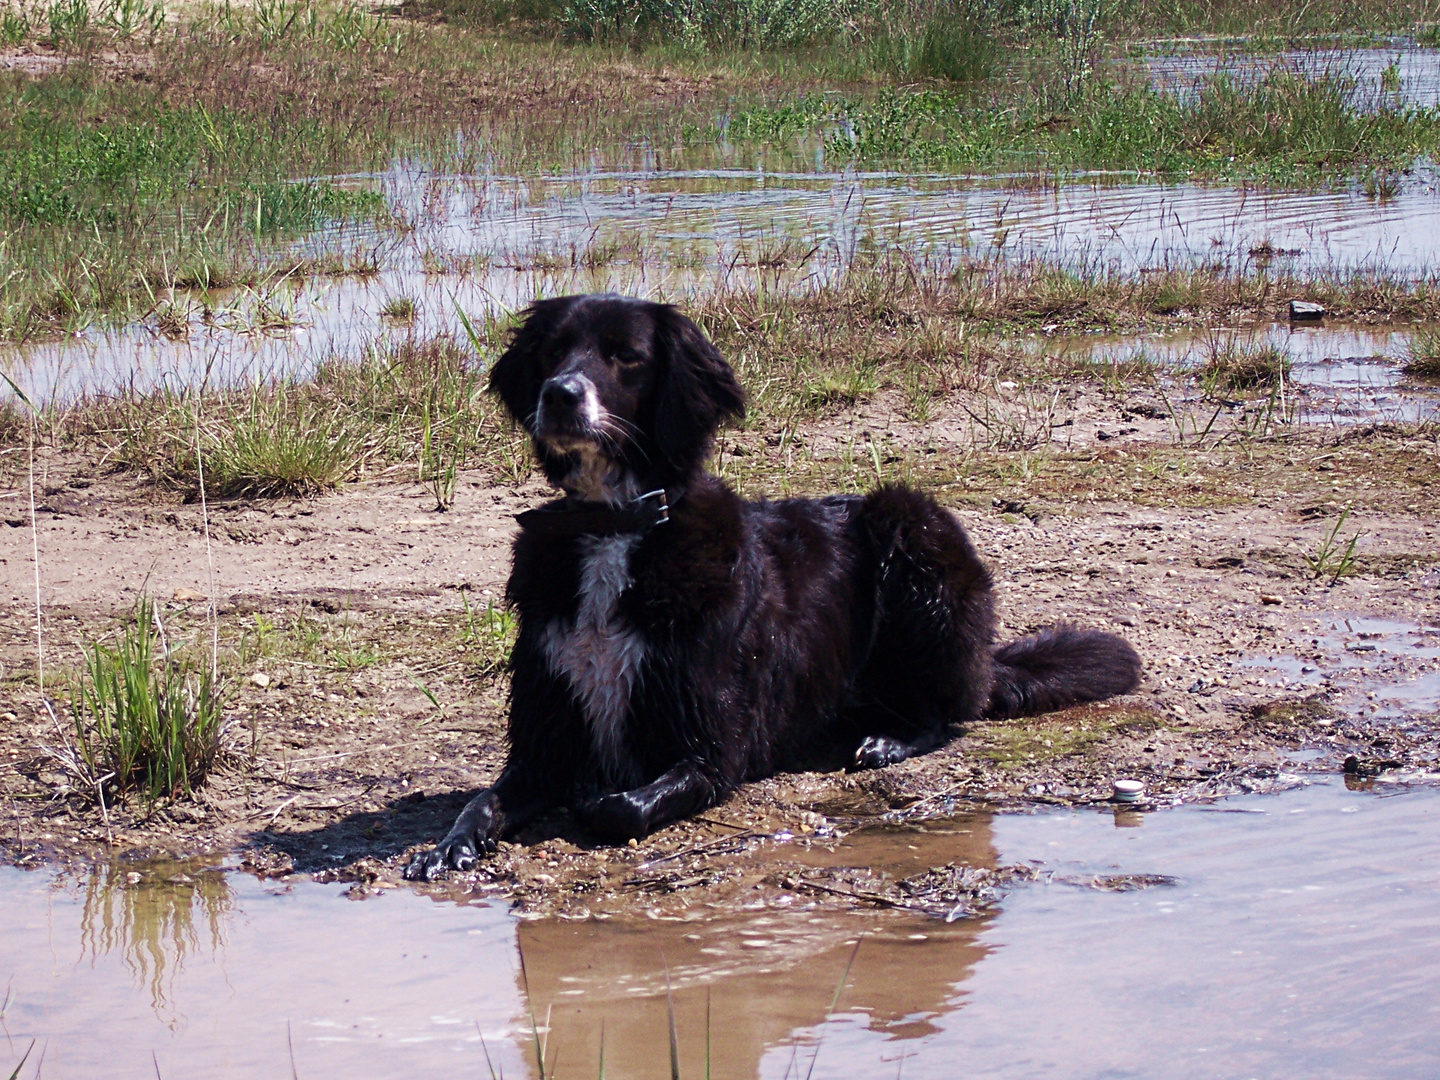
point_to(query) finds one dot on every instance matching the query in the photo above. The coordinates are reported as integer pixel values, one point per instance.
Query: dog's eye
(628, 357)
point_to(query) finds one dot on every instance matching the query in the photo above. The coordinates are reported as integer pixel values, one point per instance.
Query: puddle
(1293, 938)
(1417, 71)
(1339, 373)
(1381, 666)
(490, 244)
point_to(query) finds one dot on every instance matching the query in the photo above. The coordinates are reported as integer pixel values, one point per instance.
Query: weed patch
(1232, 365)
(1424, 354)
(145, 722)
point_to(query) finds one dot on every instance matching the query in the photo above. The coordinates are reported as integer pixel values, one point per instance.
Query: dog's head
(620, 395)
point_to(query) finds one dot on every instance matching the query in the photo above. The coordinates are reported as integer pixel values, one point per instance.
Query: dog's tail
(1062, 666)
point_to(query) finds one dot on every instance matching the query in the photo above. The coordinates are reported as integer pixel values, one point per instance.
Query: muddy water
(1294, 938)
(1339, 373)
(490, 244)
(1382, 666)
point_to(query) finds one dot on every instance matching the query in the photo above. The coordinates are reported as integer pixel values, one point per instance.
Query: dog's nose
(562, 392)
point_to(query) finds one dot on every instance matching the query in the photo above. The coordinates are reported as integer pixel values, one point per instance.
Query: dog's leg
(628, 815)
(877, 751)
(487, 817)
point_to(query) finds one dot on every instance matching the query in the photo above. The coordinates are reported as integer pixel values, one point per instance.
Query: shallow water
(1417, 70)
(490, 244)
(1338, 373)
(1296, 940)
(1394, 665)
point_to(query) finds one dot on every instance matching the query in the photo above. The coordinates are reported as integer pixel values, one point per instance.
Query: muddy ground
(365, 702)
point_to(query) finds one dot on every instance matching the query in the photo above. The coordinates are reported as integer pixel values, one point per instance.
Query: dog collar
(567, 518)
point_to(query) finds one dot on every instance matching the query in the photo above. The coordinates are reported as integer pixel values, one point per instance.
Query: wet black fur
(779, 634)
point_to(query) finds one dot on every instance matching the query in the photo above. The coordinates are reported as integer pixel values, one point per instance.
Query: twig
(277, 811)
(209, 554)
(715, 821)
(698, 848)
(35, 552)
(873, 898)
(353, 753)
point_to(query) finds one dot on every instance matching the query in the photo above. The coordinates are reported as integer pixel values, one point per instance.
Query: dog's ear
(518, 374)
(697, 391)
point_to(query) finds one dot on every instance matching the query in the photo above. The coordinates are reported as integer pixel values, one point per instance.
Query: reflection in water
(756, 987)
(745, 987)
(155, 915)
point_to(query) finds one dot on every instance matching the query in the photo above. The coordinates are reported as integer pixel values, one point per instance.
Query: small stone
(1270, 598)
(1306, 311)
(260, 679)
(183, 595)
(633, 842)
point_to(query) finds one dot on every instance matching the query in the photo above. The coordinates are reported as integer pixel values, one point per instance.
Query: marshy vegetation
(144, 151)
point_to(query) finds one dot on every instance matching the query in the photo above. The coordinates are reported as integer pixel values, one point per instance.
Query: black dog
(676, 641)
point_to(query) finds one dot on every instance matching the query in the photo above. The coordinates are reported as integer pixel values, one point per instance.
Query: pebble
(1270, 598)
(260, 679)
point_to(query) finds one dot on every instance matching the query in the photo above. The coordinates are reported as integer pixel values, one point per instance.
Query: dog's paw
(613, 818)
(877, 751)
(452, 853)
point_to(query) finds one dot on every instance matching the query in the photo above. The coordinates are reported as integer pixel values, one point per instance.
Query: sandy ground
(343, 617)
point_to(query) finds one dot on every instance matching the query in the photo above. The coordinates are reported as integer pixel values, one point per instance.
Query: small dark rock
(1306, 311)
(1356, 766)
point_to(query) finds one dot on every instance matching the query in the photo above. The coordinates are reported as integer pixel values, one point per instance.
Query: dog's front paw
(453, 853)
(877, 751)
(613, 818)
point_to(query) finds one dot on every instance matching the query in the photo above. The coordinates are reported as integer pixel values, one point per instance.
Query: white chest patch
(599, 652)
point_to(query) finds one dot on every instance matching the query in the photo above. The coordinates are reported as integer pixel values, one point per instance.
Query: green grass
(105, 198)
(189, 153)
(1333, 557)
(145, 722)
(399, 308)
(1233, 365)
(1423, 357)
(1286, 128)
(487, 637)
(411, 401)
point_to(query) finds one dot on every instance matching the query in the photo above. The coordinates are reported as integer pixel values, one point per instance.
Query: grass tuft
(414, 401)
(1424, 353)
(144, 721)
(1233, 366)
(399, 308)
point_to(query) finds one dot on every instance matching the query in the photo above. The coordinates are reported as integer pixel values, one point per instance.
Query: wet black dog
(676, 641)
